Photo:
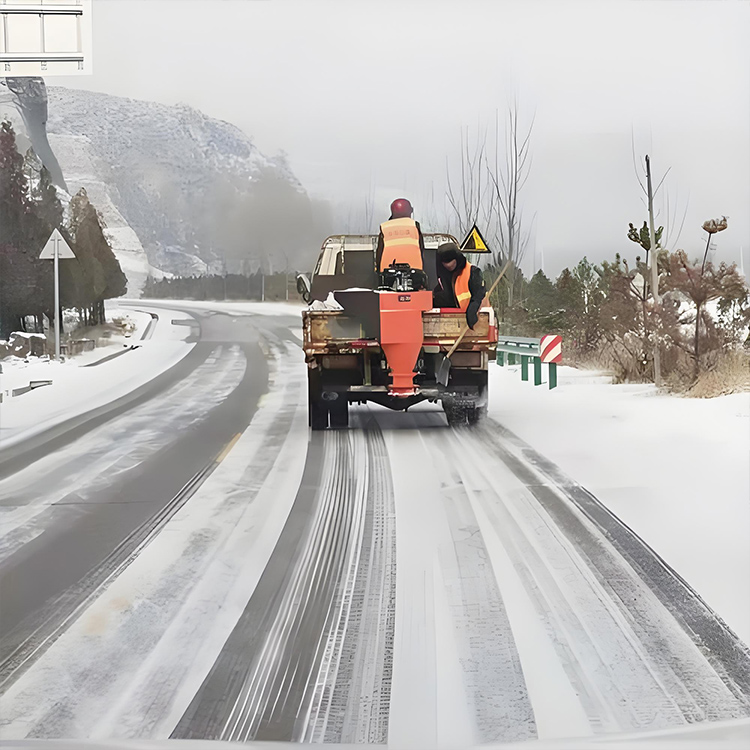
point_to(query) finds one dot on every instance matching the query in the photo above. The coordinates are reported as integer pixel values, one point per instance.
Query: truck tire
(455, 415)
(478, 411)
(317, 415)
(338, 412)
(317, 409)
(475, 414)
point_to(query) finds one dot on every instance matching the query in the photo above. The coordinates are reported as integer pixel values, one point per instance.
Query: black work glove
(472, 316)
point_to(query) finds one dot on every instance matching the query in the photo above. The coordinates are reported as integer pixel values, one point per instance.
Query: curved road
(174, 574)
(81, 496)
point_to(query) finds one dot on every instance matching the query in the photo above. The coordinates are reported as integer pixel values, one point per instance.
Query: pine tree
(97, 274)
(22, 275)
(546, 312)
(14, 189)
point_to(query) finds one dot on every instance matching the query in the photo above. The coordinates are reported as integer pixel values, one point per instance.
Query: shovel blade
(443, 371)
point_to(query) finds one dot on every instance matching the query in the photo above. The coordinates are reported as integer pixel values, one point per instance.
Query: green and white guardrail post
(546, 350)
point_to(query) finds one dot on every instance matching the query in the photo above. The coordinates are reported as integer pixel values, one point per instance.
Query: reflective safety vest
(461, 287)
(400, 243)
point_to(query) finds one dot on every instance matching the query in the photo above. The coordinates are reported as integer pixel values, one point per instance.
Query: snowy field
(80, 384)
(676, 470)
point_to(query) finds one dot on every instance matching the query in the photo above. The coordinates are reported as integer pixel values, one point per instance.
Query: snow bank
(676, 470)
(17, 372)
(77, 388)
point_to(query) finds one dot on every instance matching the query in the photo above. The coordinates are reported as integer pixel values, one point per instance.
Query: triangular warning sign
(474, 242)
(56, 244)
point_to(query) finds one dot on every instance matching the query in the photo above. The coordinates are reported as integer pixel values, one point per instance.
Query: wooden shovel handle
(466, 327)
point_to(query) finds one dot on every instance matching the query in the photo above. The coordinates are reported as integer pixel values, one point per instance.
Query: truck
(364, 342)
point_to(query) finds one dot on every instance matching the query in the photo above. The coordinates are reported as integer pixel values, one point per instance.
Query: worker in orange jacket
(400, 241)
(460, 284)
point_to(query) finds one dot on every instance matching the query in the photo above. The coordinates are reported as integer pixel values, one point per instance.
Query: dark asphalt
(278, 713)
(213, 703)
(80, 536)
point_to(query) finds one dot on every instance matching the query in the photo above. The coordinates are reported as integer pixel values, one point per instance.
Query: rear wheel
(317, 415)
(475, 414)
(317, 410)
(338, 411)
(455, 415)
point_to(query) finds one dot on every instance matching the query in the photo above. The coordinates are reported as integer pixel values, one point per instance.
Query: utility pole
(224, 273)
(654, 276)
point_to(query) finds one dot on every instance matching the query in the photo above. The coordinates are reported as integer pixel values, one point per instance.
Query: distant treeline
(606, 315)
(271, 287)
(29, 211)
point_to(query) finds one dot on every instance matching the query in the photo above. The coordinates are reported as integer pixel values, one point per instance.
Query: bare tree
(653, 249)
(672, 210)
(430, 217)
(508, 170)
(467, 192)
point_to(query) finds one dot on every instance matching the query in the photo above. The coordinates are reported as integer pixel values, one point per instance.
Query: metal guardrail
(33, 384)
(545, 350)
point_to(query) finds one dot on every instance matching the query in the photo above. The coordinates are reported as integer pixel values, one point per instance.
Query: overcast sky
(372, 95)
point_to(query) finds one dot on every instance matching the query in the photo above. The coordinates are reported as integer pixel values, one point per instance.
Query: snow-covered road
(396, 582)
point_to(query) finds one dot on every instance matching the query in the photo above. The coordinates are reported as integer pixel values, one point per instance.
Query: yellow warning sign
(474, 242)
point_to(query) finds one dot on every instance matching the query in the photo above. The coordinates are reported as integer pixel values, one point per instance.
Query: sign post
(57, 248)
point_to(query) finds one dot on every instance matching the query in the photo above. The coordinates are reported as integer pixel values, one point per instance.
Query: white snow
(557, 709)
(329, 303)
(675, 470)
(77, 389)
(17, 372)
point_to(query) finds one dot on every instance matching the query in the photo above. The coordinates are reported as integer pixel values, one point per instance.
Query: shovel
(444, 370)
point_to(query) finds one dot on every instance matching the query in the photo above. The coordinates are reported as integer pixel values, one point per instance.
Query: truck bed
(333, 331)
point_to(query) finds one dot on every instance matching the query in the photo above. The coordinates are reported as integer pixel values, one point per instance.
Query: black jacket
(381, 245)
(444, 294)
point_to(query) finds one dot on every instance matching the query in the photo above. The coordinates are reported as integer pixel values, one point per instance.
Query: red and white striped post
(550, 348)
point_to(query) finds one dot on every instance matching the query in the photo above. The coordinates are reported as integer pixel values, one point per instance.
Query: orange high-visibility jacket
(400, 243)
(461, 287)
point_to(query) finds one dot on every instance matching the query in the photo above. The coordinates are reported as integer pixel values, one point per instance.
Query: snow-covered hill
(152, 170)
(83, 168)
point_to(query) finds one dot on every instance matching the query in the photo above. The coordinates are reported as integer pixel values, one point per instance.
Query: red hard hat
(401, 209)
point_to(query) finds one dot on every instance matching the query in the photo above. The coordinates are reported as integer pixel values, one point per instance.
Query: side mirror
(303, 287)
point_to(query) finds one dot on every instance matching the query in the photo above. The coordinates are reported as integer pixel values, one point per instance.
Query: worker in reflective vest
(400, 239)
(460, 284)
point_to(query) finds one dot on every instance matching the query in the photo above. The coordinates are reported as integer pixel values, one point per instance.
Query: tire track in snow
(495, 684)
(296, 660)
(625, 654)
(728, 655)
(457, 677)
(351, 701)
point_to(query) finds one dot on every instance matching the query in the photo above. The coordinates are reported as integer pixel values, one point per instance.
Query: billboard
(45, 38)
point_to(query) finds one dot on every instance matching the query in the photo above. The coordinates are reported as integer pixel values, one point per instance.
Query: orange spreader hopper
(401, 335)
